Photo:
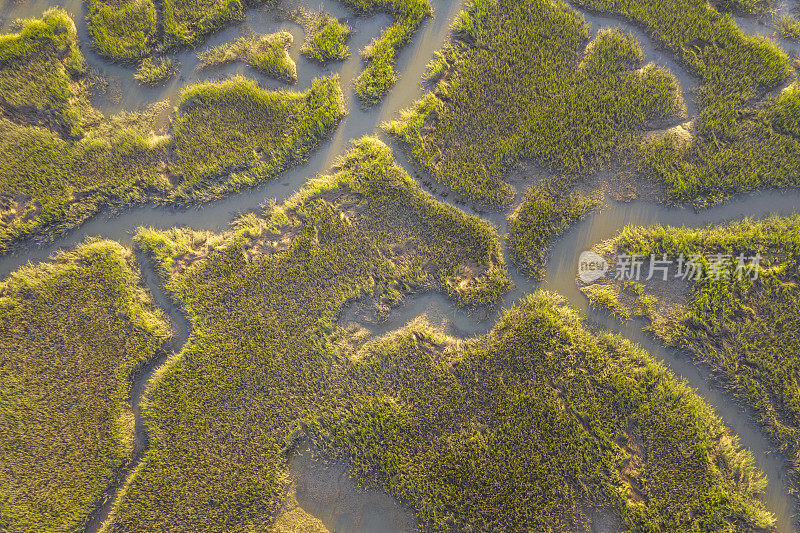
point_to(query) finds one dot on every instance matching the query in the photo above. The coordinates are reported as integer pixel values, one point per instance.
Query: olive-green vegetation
(519, 83)
(72, 333)
(784, 113)
(326, 39)
(63, 160)
(40, 71)
(736, 147)
(752, 7)
(544, 214)
(263, 300)
(49, 185)
(122, 30)
(379, 75)
(268, 54)
(540, 425)
(156, 71)
(608, 298)
(758, 152)
(186, 22)
(746, 330)
(246, 134)
(788, 26)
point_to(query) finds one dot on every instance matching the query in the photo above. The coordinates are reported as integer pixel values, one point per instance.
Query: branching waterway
(124, 93)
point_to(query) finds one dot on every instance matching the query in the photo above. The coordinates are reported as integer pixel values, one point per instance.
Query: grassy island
(326, 39)
(379, 75)
(268, 54)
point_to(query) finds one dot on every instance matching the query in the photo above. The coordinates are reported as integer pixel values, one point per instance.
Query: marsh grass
(784, 113)
(156, 71)
(788, 26)
(520, 82)
(750, 7)
(263, 300)
(326, 39)
(124, 31)
(735, 148)
(72, 333)
(188, 22)
(540, 425)
(379, 75)
(50, 185)
(544, 214)
(758, 152)
(747, 331)
(233, 134)
(63, 160)
(268, 54)
(40, 71)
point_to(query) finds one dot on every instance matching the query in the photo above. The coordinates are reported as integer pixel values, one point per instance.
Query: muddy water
(328, 491)
(124, 93)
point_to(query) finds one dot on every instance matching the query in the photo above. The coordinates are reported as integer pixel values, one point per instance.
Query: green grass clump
(326, 39)
(784, 114)
(263, 300)
(542, 216)
(379, 75)
(40, 69)
(747, 331)
(608, 298)
(521, 85)
(122, 30)
(269, 54)
(540, 425)
(156, 71)
(72, 333)
(236, 130)
(751, 7)
(788, 26)
(187, 22)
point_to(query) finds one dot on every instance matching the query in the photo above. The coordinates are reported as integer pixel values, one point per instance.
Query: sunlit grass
(263, 300)
(518, 83)
(268, 54)
(734, 149)
(63, 160)
(747, 331)
(188, 22)
(379, 75)
(155, 71)
(122, 30)
(545, 213)
(241, 133)
(788, 26)
(326, 39)
(540, 425)
(72, 333)
(40, 67)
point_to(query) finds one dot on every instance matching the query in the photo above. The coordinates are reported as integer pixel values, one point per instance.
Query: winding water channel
(124, 93)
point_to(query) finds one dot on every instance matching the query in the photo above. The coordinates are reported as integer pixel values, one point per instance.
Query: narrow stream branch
(181, 329)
